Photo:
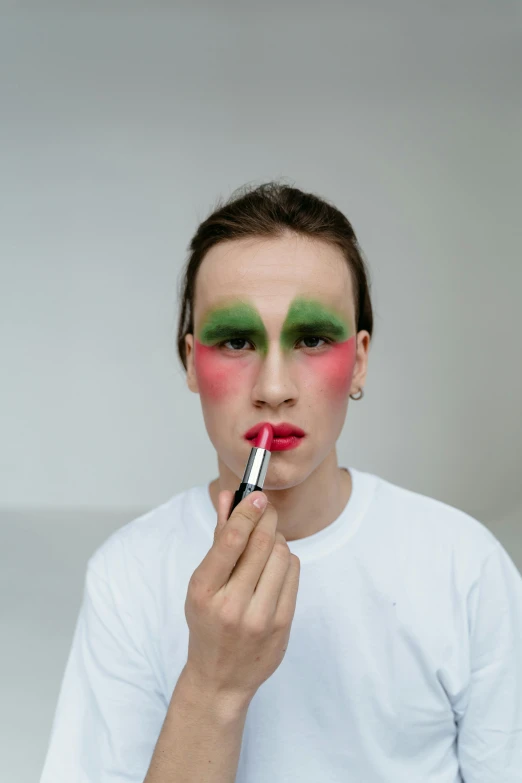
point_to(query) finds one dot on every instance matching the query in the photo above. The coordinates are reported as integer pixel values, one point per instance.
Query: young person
(351, 630)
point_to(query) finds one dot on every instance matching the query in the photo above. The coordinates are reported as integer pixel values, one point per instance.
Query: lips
(283, 430)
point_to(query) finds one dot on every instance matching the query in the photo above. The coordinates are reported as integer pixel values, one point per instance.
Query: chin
(283, 476)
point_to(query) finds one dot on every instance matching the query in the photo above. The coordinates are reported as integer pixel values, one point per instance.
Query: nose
(274, 382)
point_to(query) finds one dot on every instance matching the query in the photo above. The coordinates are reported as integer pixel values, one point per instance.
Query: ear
(191, 374)
(361, 361)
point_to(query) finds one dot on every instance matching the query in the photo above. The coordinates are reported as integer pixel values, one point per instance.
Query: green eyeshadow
(235, 321)
(311, 317)
(240, 320)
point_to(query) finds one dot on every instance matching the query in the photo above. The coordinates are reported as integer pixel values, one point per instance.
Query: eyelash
(308, 336)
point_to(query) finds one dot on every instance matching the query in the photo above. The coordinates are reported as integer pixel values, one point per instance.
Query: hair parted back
(271, 210)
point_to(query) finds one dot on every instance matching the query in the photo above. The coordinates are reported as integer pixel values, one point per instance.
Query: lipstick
(256, 467)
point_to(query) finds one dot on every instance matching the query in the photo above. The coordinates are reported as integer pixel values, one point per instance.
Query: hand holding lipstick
(241, 603)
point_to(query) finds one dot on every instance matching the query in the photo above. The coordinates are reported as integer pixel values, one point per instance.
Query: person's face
(256, 354)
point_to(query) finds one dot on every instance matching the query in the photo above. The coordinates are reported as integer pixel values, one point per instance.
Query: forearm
(200, 740)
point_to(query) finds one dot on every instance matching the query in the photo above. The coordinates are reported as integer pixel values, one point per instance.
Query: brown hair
(270, 210)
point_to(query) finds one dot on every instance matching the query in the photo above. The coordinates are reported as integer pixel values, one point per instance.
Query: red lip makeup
(285, 436)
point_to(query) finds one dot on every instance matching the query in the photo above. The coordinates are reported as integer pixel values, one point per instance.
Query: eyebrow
(224, 328)
(239, 319)
(316, 324)
(243, 321)
(311, 326)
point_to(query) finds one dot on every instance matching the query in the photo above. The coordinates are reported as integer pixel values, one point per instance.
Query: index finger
(216, 567)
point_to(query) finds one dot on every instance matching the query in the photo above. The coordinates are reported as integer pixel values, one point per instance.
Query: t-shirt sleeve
(490, 729)
(110, 709)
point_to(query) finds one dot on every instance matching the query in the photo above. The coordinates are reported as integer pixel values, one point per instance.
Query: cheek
(217, 379)
(332, 371)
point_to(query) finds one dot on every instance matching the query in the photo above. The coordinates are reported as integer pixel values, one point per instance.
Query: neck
(302, 509)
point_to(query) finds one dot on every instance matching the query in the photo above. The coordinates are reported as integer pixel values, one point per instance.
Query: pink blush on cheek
(333, 369)
(216, 378)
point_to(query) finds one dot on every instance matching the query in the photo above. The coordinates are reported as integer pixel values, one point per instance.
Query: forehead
(270, 273)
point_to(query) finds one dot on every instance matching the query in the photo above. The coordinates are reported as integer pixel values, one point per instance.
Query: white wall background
(121, 123)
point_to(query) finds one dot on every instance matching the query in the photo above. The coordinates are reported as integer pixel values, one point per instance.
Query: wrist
(198, 694)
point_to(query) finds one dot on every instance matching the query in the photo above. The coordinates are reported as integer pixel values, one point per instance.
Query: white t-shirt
(404, 663)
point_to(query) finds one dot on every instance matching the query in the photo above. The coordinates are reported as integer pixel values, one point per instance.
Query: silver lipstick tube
(254, 475)
(256, 467)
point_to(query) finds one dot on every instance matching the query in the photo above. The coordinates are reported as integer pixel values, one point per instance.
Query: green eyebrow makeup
(240, 320)
(310, 317)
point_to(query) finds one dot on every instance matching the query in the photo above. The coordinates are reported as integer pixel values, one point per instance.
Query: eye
(235, 343)
(233, 340)
(314, 337)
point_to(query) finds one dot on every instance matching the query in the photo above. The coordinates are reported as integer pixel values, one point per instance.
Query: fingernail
(260, 501)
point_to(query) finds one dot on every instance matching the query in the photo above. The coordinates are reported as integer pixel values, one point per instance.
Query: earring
(361, 395)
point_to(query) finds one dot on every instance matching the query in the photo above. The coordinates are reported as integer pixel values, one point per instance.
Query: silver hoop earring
(361, 395)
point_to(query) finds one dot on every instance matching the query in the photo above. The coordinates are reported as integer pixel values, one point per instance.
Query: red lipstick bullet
(264, 437)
